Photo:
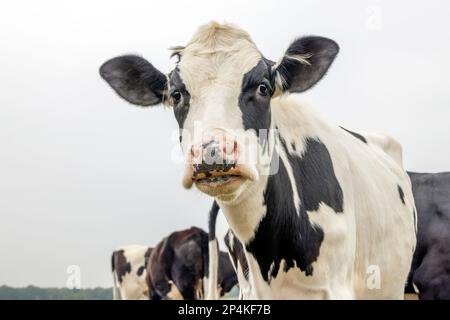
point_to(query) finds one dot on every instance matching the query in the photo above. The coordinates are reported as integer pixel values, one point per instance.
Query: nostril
(212, 151)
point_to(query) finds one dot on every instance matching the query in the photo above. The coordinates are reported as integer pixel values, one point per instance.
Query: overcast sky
(82, 171)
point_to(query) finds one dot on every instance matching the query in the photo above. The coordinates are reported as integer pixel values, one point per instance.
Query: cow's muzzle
(215, 163)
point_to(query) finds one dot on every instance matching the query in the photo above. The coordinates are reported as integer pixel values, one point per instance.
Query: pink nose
(216, 154)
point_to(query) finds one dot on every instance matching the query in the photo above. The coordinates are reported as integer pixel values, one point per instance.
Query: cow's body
(385, 142)
(129, 273)
(350, 215)
(430, 273)
(178, 267)
(320, 213)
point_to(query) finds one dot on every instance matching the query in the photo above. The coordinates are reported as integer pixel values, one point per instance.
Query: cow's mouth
(215, 176)
(218, 180)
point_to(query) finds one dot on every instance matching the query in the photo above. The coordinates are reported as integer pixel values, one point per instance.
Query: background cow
(129, 273)
(314, 207)
(430, 269)
(178, 267)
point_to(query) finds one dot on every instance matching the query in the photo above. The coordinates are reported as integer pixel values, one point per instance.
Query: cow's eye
(263, 90)
(176, 96)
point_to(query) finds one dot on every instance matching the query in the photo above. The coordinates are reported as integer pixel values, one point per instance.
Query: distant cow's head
(221, 90)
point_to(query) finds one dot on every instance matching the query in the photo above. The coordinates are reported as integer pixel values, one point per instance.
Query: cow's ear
(305, 62)
(135, 79)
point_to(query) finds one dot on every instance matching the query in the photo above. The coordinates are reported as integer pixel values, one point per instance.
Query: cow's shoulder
(388, 144)
(382, 141)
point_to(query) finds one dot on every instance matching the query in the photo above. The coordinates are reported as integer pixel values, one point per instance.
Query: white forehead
(217, 55)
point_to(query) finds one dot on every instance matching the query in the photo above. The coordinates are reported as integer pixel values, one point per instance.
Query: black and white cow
(316, 209)
(128, 265)
(178, 267)
(430, 269)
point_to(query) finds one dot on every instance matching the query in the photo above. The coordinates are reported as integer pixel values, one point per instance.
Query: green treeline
(36, 293)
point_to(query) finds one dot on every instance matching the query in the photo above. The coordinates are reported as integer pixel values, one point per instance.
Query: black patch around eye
(181, 108)
(256, 112)
(263, 90)
(176, 96)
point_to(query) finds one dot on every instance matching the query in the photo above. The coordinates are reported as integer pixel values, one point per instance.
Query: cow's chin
(217, 187)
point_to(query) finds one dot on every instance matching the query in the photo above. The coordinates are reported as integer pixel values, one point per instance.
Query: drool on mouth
(215, 174)
(217, 180)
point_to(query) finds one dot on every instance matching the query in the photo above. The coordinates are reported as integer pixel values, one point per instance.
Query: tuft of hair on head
(177, 51)
(216, 35)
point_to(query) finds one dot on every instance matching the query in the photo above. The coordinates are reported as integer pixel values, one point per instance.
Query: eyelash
(178, 95)
(263, 90)
(268, 89)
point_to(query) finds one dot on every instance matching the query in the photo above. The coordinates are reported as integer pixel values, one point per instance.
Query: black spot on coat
(120, 264)
(401, 194)
(140, 271)
(212, 221)
(314, 176)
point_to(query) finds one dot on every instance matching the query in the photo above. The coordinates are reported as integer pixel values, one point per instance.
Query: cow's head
(220, 91)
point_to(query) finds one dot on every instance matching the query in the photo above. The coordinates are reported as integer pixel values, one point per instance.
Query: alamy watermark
(373, 277)
(374, 18)
(74, 277)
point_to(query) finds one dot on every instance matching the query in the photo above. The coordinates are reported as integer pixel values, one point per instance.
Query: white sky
(82, 172)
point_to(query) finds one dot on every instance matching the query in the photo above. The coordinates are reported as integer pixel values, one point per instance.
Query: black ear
(305, 62)
(135, 79)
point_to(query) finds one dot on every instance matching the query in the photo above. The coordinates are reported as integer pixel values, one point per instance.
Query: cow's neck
(244, 216)
(285, 231)
(273, 222)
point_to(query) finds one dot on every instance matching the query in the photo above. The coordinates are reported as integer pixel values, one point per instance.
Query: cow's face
(221, 91)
